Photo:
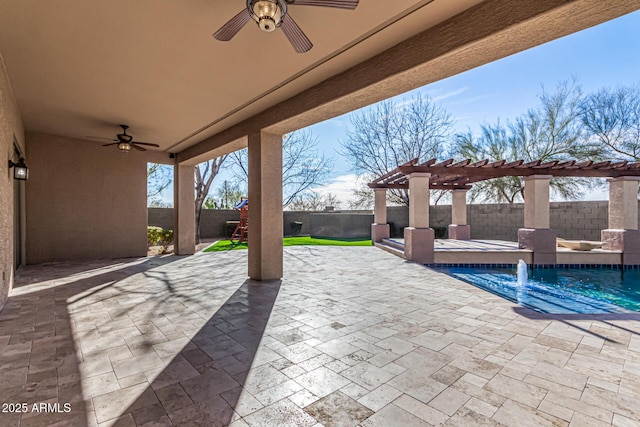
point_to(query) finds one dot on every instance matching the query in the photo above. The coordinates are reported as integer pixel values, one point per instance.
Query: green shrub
(158, 236)
(166, 238)
(154, 234)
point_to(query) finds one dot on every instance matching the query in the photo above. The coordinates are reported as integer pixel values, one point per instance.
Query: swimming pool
(560, 290)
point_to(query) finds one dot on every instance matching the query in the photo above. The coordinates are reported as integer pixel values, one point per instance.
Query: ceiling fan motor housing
(124, 137)
(267, 13)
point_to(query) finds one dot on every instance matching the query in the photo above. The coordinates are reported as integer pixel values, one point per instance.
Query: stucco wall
(572, 220)
(213, 220)
(84, 201)
(341, 225)
(10, 128)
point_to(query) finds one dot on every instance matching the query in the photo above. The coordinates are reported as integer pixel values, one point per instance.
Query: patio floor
(352, 336)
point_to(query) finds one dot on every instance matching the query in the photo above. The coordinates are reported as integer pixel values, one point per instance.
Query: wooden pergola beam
(449, 174)
(591, 172)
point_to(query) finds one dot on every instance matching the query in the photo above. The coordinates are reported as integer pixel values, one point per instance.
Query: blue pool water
(560, 290)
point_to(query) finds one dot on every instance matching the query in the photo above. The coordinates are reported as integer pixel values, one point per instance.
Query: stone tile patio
(351, 336)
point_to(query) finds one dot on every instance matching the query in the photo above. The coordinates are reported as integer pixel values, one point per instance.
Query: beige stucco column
(623, 203)
(380, 212)
(380, 229)
(536, 234)
(459, 229)
(622, 234)
(265, 206)
(184, 236)
(536, 201)
(418, 237)
(419, 200)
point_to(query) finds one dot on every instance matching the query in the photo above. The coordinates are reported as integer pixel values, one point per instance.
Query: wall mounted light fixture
(20, 169)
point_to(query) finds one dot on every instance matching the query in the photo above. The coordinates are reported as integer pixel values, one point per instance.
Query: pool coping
(536, 266)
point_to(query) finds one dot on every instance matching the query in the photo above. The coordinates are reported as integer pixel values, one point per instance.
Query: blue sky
(605, 55)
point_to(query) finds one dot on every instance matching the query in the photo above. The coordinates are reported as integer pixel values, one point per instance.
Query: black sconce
(20, 169)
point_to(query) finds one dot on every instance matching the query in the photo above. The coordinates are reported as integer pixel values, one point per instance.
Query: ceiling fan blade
(340, 4)
(297, 38)
(99, 137)
(138, 148)
(231, 28)
(113, 143)
(145, 143)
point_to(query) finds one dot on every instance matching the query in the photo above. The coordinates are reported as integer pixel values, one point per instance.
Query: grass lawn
(227, 245)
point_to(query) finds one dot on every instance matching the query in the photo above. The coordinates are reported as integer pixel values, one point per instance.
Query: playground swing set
(242, 229)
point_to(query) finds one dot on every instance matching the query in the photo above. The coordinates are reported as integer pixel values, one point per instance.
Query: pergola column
(418, 237)
(622, 234)
(265, 206)
(184, 231)
(380, 228)
(459, 229)
(536, 234)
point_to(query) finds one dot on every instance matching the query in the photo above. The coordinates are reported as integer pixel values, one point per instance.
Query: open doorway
(159, 208)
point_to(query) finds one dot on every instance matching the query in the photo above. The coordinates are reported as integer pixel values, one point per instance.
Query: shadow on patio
(40, 362)
(203, 383)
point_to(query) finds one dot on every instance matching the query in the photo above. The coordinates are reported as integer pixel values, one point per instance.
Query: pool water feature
(559, 290)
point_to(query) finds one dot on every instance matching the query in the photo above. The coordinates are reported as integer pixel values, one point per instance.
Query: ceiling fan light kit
(125, 142)
(268, 14)
(272, 14)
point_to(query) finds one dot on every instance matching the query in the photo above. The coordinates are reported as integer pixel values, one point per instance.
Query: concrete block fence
(572, 220)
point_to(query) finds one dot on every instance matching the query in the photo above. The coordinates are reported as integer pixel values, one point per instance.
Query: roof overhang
(82, 68)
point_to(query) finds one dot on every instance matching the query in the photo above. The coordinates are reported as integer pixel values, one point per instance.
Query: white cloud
(342, 187)
(450, 94)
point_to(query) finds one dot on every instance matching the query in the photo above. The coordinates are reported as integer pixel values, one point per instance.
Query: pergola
(622, 234)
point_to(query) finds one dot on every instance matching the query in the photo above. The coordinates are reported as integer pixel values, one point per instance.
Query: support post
(380, 229)
(459, 229)
(536, 234)
(265, 206)
(184, 232)
(419, 239)
(622, 234)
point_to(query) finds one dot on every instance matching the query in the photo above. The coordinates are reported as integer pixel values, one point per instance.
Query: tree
(159, 178)
(493, 144)
(390, 133)
(313, 201)
(210, 203)
(552, 131)
(157, 203)
(204, 175)
(612, 117)
(362, 197)
(228, 195)
(303, 167)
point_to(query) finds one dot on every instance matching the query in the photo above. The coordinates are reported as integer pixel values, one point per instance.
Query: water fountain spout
(523, 276)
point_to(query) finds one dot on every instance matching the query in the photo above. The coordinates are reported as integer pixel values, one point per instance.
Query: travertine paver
(351, 336)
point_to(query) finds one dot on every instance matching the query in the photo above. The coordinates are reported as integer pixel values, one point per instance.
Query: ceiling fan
(271, 14)
(124, 141)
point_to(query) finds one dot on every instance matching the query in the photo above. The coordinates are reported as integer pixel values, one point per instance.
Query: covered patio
(300, 336)
(537, 243)
(187, 341)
